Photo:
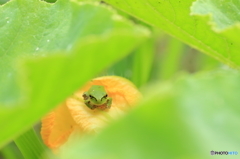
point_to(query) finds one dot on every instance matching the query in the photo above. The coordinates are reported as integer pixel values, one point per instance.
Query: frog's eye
(104, 97)
(92, 97)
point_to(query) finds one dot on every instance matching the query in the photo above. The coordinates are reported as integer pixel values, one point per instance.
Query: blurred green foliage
(190, 103)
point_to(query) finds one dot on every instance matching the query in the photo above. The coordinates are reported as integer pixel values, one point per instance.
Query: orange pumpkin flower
(74, 114)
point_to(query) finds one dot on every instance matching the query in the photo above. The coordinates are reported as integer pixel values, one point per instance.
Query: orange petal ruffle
(74, 114)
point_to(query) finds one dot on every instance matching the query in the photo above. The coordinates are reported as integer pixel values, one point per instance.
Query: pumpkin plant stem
(30, 145)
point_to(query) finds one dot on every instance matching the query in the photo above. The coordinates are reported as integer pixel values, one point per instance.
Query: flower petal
(75, 115)
(123, 93)
(57, 126)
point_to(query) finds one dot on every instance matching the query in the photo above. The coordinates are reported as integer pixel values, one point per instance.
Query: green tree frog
(97, 97)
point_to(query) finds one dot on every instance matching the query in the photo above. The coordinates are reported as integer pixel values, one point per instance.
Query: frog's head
(97, 95)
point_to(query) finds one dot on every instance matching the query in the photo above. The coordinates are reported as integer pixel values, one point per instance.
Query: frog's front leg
(90, 105)
(109, 103)
(85, 96)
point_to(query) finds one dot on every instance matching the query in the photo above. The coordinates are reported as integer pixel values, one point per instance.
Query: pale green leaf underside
(186, 120)
(176, 18)
(223, 13)
(49, 50)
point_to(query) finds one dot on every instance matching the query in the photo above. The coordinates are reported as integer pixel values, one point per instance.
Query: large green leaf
(189, 22)
(49, 50)
(187, 120)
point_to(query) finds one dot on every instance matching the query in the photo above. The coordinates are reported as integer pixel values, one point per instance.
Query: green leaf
(48, 51)
(176, 18)
(211, 101)
(223, 14)
(3, 1)
(189, 119)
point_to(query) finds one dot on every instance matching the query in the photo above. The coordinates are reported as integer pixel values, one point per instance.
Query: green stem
(30, 145)
(10, 151)
(171, 60)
